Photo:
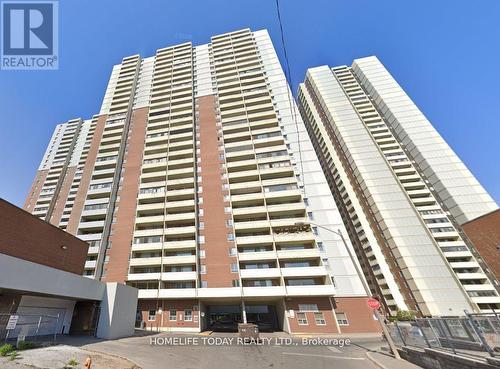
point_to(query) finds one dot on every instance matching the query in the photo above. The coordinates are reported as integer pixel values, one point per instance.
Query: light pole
(363, 282)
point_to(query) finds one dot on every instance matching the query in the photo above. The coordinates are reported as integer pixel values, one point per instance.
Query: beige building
(401, 190)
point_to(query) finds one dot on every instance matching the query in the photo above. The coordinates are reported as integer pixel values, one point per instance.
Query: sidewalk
(387, 361)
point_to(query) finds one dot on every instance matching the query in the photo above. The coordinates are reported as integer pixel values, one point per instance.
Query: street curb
(109, 354)
(375, 362)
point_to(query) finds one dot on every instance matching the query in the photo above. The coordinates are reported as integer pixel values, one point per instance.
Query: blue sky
(445, 54)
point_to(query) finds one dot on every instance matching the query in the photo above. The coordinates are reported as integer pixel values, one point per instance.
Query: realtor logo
(29, 35)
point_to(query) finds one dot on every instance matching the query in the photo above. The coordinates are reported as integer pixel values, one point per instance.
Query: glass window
(172, 316)
(188, 315)
(152, 315)
(342, 319)
(234, 268)
(203, 269)
(319, 318)
(302, 318)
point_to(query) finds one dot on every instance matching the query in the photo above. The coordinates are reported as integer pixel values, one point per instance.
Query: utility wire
(288, 77)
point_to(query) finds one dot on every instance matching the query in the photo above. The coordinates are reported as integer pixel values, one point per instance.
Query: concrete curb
(135, 365)
(374, 361)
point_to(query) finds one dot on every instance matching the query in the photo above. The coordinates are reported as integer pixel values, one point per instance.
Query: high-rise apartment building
(401, 190)
(198, 184)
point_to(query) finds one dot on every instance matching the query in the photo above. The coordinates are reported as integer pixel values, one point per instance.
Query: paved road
(197, 354)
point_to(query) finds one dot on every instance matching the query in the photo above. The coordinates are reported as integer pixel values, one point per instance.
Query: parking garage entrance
(225, 318)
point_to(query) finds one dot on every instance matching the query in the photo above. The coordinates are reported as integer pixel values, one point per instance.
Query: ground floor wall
(298, 315)
(359, 318)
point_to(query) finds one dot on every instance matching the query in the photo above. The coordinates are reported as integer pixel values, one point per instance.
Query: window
(204, 284)
(203, 269)
(201, 225)
(308, 307)
(230, 237)
(172, 316)
(234, 268)
(315, 230)
(202, 254)
(188, 315)
(236, 282)
(310, 215)
(342, 319)
(200, 212)
(201, 239)
(319, 319)
(301, 318)
(233, 251)
(152, 315)
(321, 247)
(333, 282)
(227, 209)
(229, 223)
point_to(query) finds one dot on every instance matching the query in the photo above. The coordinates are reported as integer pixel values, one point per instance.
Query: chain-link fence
(474, 334)
(19, 327)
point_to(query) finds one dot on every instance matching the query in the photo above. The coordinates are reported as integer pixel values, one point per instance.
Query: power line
(288, 77)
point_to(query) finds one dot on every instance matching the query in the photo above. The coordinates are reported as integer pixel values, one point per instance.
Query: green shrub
(6, 349)
(13, 355)
(405, 316)
(26, 345)
(73, 362)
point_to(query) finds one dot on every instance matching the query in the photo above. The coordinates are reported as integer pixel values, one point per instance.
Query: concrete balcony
(298, 254)
(471, 276)
(148, 232)
(250, 210)
(149, 219)
(260, 273)
(98, 191)
(89, 213)
(258, 224)
(174, 293)
(243, 174)
(179, 204)
(219, 292)
(314, 271)
(93, 250)
(314, 290)
(180, 230)
(464, 264)
(177, 245)
(457, 254)
(178, 276)
(90, 264)
(184, 259)
(283, 208)
(91, 225)
(271, 291)
(294, 237)
(145, 261)
(255, 256)
(180, 216)
(253, 240)
(247, 197)
(147, 246)
(288, 221)
(486, 300)
(154, 195)
(90, 236)
(143, 276)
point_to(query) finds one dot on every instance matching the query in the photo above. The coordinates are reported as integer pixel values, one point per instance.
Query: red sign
(373, 303)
